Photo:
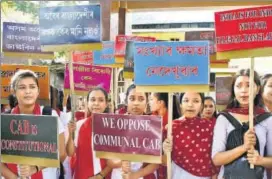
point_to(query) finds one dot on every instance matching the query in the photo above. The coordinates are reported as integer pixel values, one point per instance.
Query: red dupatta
(192, 139)
(245, 111)
(84, 166)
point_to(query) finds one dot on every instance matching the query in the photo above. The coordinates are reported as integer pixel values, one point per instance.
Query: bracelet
(100, 175)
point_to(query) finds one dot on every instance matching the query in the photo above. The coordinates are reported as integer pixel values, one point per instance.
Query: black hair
(202, 97)
(233, 103)
(211, 99)
(60, 100)
(265, 79)
(131, 87)
(162, 97)
(176, 109)
(68, 104)
(12, 101)
(98, 88)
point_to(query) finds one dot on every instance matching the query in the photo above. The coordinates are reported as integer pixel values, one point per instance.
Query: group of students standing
(204, 144)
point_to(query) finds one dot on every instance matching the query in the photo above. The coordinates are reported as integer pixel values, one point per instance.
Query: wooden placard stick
(169, 133)
(69, 56)
(251, 99)
(112, 90)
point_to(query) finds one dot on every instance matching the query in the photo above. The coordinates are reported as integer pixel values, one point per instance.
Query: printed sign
(87, 77)
(7, 71)
(83, 57)
(18, 37)
(128, 134)
(223, 90)
(106, 55)
(70, 24)
(120, 44)
(201, 36)
(242, 29)
(29, 139)
(171, 63)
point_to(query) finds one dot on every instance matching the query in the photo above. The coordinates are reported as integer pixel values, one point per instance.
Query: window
(174, 25)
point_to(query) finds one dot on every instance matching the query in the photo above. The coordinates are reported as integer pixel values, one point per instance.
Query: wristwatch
(99, 174)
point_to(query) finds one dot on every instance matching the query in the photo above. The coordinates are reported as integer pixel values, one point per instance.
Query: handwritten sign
(201, 36)
(7, 71)
(70, 24)
(171, 63)
(83, 57)
(120, 45)
(29, 139)
(223, 90)
(87, 77)
(106, 55)
(128, 134)
(18, 37)
(243, 28)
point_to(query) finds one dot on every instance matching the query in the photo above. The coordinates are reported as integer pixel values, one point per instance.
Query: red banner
(120, 43)
(127, 134)
(83, 57)
(243, 29)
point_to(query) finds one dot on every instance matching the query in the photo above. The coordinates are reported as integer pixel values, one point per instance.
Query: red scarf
(79, 115)
(245, 111)
(192, 139)
(84, 167)
(13, 167)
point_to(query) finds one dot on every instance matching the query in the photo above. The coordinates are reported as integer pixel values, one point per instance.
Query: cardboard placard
(136, 136)
(30, 140)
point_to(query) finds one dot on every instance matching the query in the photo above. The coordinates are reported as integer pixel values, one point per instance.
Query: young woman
(226, 151)
(191, 143)
(136, 105)
(267, 91)
(209, 110)
(159, 106)
(25, 85)
(87, 166)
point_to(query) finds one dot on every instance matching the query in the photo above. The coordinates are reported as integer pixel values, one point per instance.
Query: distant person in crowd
(209, 109)
(26, 89)
(233, 140)
(267, 91)
(159, 106)
(12, 103)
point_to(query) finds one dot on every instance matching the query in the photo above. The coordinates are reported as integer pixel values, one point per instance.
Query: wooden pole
(251, 99)
(69, 56)
(112, 90)
(169, 133)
